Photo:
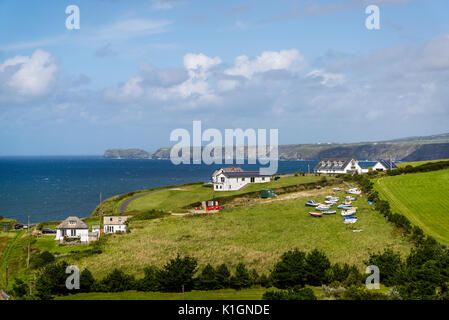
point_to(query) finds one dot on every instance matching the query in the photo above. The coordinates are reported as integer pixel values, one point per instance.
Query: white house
(74, 228)
(339, 165)
(114, 224)
(230, 179)
(383, 165)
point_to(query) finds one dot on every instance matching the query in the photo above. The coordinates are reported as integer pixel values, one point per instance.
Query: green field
(423, 198)
(417, 163)
(174, 200)
(224, 294)
(256, 235)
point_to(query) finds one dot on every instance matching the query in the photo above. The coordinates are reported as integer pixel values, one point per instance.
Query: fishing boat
(330, 212)
(347, 203)
(330, 202)
(322, 208)
(344, 206)
(331, 198)
(350, 220)
(354, 191)
(316, 214)
(312, 203)
(350, 198)
(348, 212)
(337, 189)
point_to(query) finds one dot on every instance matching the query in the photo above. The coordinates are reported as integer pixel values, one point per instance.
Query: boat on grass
(312, 203)
(348, 212)
(316, 214)
(350, 220)
(330, 212)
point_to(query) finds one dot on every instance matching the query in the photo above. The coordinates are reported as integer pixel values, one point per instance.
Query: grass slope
(256, 235)
(174, 200)
(421, 197)
(224, 294)
(417, 163)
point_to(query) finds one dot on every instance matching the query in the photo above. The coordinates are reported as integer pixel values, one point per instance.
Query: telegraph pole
(29, 243)
(7, 289)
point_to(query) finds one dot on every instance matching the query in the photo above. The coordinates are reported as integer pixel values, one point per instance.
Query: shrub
(149, 282)
(86, 281)
(389, 264)
(296, 293)
(51, 281)
(19, 288)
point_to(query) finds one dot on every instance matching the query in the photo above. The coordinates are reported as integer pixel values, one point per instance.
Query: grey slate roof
(332, 163)
(73, 223)
(244, 174)
(387, 163)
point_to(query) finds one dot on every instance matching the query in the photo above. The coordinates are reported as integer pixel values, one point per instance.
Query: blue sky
(135, 70)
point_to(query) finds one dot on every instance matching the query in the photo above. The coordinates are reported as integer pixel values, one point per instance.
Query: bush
(176, 273)
(290, 271)
(296, 293)
(360, 293)
(149, 282)
(42, 259)
(51, 281)
(19, 288)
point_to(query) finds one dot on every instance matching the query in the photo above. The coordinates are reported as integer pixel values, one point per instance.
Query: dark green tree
(176, 273)
(241, 278)
(86, 281)
(223, 276)
(316, 265)
(290, 271)
(207, 279)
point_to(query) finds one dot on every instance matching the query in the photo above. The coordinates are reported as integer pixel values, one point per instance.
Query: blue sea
(52, 188)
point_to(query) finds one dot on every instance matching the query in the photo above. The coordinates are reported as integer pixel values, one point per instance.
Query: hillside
(405, 149)
(422, 198)
(127, 154)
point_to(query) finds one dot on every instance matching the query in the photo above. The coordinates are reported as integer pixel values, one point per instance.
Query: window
(263, 178)
(253, 179)
(72, 232)
(110, 219)
(222, 179)
(243, 179)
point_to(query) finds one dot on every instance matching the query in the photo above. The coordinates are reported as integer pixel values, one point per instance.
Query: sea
(53, 188)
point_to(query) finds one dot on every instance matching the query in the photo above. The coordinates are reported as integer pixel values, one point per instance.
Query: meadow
(422, 198)
(418, 163)
(256, 235)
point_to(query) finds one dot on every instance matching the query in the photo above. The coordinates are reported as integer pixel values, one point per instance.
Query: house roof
(115, 220)
(332, 163)
(244, 174)
(227, 169)
(73, 223)
(387, 164)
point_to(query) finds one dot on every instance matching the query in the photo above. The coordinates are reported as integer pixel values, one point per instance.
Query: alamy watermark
(73, 20)
(189, 148)
(373, 281)
(73, 280)
(372, 22)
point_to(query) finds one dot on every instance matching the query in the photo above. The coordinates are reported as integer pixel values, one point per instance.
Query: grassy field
(256, 235)
(13, 253)
(224, 294)
(417, 163)
(421, 197)
(176, 199)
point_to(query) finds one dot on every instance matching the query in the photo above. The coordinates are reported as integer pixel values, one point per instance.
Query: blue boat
(344, 206)
(330, 212)
(312, 203)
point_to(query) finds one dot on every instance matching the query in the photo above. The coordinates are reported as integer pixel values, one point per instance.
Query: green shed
(267, 193)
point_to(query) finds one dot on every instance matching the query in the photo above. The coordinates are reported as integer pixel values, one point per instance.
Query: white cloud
(130, 91)
(288, 60)
(327, 78)
(29, 76)
(131, 28)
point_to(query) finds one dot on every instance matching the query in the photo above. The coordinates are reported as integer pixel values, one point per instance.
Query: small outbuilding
(383, 165)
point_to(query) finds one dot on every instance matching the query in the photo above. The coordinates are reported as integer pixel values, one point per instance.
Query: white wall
(379, 166)
(113, 228)
(82, 234)
(222, 183)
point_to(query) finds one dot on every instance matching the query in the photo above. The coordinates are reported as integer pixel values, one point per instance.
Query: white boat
(337, 189)
(350, 220)
(350, 198)
(330, 202)
(348, 212)
(323, 208)
(354, 191)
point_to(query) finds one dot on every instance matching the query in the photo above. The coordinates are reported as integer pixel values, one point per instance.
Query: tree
(176, 273)
(51, 280)
(86, 281)
(389, 264)
(290, 271)
(241, 278)
(117, 281)
(207, 279)
(223, 275)
(316, 265)
(42, 259)
(149, 282)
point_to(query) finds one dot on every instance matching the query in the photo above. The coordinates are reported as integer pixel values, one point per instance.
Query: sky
(136, 70)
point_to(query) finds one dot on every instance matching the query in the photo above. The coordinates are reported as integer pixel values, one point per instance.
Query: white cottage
(339, 165)
(74, 228)
(114, 224)
(231, 179)
(383, 165)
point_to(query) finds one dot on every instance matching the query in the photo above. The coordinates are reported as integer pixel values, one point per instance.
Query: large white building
(230, 179)
(339, 165)
(73, 228)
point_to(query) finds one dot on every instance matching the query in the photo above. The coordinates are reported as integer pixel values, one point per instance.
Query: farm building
(339, 165)
(114, 224)
(383, 165)
(230, 179)
(73, 228)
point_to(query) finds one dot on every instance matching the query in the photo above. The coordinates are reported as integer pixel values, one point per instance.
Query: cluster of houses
(75, 228)
(235, 178)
